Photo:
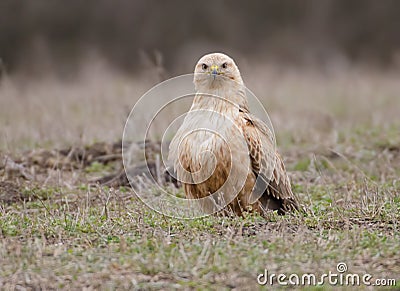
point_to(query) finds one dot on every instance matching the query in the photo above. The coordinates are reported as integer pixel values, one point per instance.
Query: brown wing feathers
(267, 164)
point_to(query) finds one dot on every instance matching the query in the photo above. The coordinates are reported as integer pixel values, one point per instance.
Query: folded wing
(272, 188)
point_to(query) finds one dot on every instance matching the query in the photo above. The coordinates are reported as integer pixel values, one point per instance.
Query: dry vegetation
(337, 129)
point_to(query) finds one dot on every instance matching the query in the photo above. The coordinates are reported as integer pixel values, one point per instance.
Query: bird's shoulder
(254, 127)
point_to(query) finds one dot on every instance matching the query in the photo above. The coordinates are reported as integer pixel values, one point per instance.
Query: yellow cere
(214, 67)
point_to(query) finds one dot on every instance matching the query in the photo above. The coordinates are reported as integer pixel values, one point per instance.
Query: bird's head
(215, 70)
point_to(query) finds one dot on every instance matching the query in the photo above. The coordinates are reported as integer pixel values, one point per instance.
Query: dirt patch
(73, 157)
(38, 165)
(9, 192)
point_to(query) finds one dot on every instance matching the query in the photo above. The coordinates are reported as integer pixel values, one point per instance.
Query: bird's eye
(204, 66)
(224, 65)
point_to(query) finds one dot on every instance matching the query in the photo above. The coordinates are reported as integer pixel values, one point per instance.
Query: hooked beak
(214, 69)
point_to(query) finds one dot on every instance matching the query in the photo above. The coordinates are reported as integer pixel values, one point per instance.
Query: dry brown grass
(338, 131)
(303, 102)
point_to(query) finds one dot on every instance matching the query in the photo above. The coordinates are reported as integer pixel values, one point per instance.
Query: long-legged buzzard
(221, 148)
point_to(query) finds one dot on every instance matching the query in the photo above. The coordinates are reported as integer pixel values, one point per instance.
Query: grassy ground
(337, 131)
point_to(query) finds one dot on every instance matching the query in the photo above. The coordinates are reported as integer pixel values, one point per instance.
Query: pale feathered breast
(216, 135)
(207, 139)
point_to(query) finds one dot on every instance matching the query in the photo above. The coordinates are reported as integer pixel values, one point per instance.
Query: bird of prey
(221, 148)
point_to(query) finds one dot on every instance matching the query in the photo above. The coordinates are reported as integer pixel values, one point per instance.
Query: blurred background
(40, 34)
(82, 62)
